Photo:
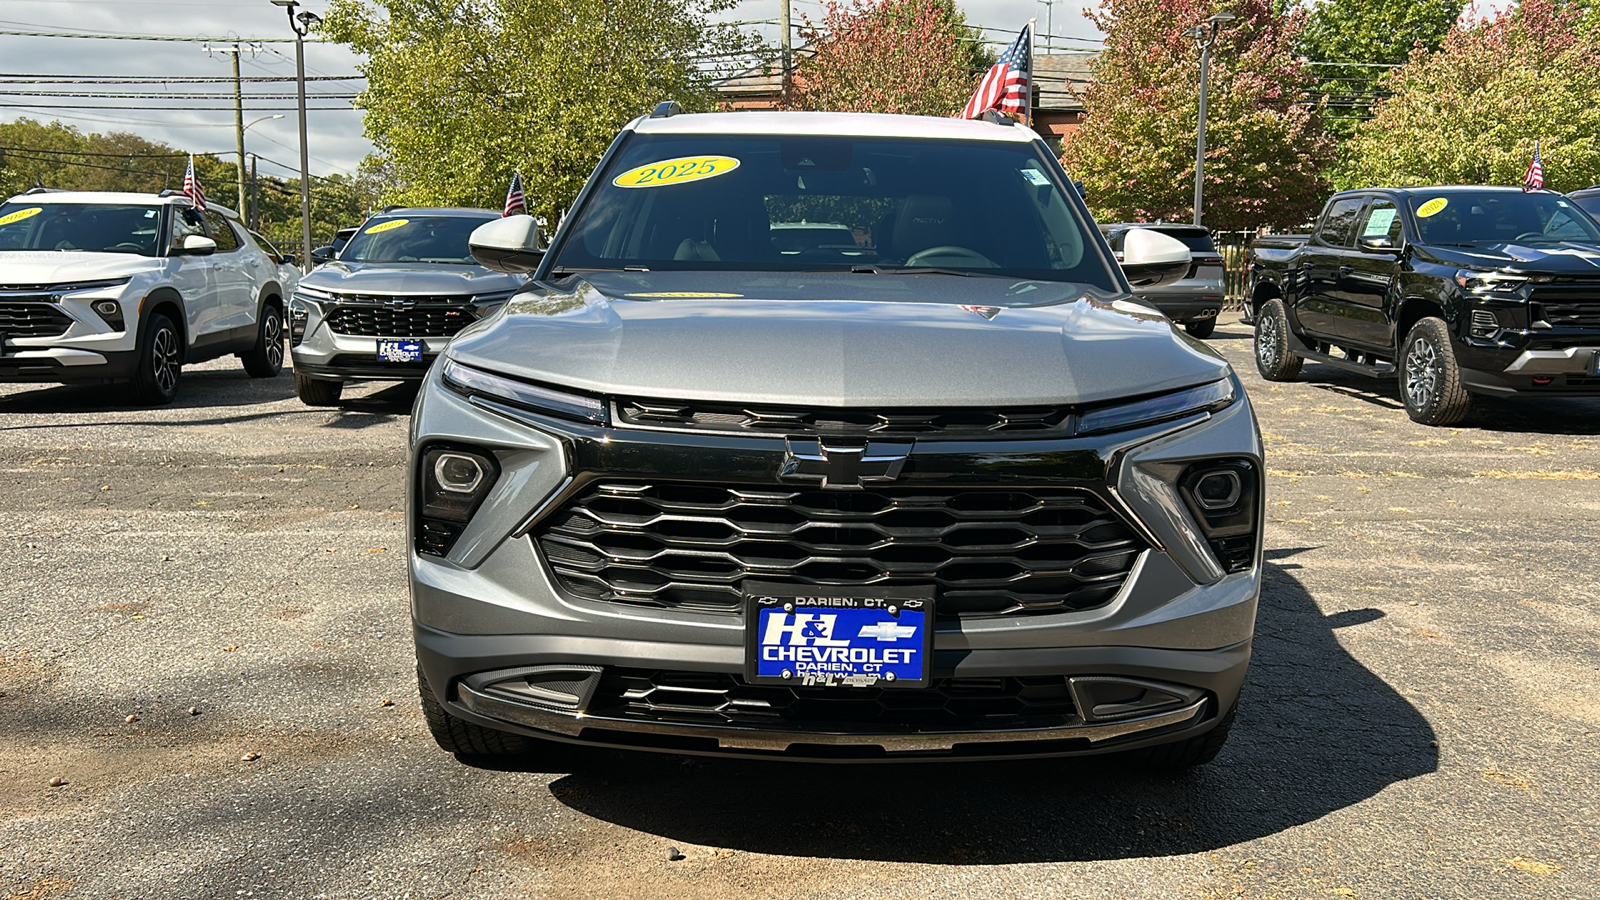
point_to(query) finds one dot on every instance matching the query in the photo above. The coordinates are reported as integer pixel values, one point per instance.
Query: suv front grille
(989, 551)
(787, 421)
(1576, 306)
(24, 319)
(421, 320)
(965, 704)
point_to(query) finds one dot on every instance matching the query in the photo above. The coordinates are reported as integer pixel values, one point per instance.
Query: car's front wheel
(265, 359)
(1182, 755)
(1274, 360)
(1430, 381)
(155, 381)
(467, 738)
(1201, 328)
(314, 392)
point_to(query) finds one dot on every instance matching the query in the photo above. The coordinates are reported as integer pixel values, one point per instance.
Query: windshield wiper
(565, 271)
(914, 270)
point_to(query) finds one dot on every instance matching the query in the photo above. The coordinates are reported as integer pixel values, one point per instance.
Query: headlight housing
(1477, 282)
(81, 286)
(1211, 397)
(302, 292)
(547, 401)
(1223, 496)
(454, 482)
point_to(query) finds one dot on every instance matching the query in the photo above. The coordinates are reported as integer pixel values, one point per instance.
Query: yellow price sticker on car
(676, 171)
(21, 214)
(692, 295)
(390, 225)
(1431, 207)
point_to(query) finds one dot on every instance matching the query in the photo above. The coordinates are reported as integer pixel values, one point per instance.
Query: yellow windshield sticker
(390, 225)
(21, 214)
(676, 171)
(1431, 207)
(694, 295)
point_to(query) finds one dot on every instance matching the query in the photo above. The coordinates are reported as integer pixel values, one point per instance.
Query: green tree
(1265, 147)
(1351, 42)
(1471, 112)
(462, 93)
(917, 57)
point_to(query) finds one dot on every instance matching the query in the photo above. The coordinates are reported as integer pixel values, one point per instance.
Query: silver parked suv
(100, 287)
(942, 490)
(402, 286)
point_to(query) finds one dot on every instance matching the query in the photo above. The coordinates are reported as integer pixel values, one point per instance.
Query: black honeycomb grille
(400, 322)
(24, 319)
(690, 546)
(802, 421)
(949, 703)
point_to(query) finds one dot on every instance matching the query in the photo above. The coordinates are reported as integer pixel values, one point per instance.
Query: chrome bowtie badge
(842, 467)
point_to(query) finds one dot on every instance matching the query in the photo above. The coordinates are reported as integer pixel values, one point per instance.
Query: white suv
(101, 286)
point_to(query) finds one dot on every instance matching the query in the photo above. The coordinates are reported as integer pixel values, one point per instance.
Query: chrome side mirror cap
(1152, 259)
(508, 245)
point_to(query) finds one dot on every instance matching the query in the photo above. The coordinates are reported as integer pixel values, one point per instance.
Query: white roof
(834, 124)
(127, 197)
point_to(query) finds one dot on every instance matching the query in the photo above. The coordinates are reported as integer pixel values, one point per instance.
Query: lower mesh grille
(32, 319)
(720, 699)
(691, 546)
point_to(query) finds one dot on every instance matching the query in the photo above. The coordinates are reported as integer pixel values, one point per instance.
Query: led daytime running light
(1483, 282)
(1205, 398)
(476, 382)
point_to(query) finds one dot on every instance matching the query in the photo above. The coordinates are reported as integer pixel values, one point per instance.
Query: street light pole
(301, 25)
(1205, 35)
(250, 215)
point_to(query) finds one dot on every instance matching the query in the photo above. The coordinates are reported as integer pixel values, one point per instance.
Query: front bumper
(493, 605)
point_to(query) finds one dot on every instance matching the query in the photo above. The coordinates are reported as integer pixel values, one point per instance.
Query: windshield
(1589, 203)
(1494, 217)
(775, 203)
(425, 239)
(101, 228)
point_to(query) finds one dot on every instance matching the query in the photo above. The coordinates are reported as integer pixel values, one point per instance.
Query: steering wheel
(1532, 235)
(125, 245)
(949, 255)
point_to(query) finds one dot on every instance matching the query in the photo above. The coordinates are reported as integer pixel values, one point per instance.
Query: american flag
(1534, 180)
(516, 204)
(191, 187)
(1007, 85)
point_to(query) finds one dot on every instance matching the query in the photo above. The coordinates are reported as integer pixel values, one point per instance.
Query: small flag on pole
(516, 204)
(1534, 179)
(191, 187)
(1007, 86)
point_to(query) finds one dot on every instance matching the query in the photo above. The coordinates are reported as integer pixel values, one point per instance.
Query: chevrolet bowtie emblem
(844, 467)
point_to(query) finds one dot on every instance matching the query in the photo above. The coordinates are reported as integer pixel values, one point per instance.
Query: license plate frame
(832, 635)
(399, 351)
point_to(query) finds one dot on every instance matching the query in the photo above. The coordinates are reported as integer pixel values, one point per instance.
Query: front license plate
(826, 637)
(400, 351)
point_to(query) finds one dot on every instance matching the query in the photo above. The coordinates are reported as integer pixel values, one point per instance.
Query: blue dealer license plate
(807, 636)
(400, 351)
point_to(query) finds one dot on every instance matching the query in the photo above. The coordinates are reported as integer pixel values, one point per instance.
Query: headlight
(1488, 282)
(311, 293)
(1206, 398)
(478, 383)
(455, 481)
(110, 311)
(1222, 497)
(80, 286)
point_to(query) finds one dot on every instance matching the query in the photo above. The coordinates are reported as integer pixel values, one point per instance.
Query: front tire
(155, 381)
(313, 392)
(1430, 380)
(1201, 328)
(466, 738)
(1180, 756)
(265, 359)
(1273, 359)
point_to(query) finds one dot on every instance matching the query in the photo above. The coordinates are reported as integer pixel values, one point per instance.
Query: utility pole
(783, 42)
(1204, 34)
(255, 195)
(1049, 23)
(234, 50)
(301, 25)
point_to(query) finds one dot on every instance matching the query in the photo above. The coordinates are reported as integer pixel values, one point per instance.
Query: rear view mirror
(198, 245)
(1152, 259)
(510, 244)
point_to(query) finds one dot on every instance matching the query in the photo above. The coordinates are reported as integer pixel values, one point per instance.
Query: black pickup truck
(1457, 290)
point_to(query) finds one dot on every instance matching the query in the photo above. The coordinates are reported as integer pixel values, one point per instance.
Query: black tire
(1273, 359)
(160, 365)
(1180, 756)
(317, 393)
(1201, 328)
(463, 737)
(1430, 380)
(265, 359)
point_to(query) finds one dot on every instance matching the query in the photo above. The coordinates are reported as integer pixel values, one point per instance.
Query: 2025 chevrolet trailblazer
(927, 484)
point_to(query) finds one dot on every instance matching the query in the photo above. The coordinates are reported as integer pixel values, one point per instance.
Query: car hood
(28, 267)
(834, 339)
(1564, 258)
(432, 279)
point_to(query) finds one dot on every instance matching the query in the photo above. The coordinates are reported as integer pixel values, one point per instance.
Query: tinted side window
(221, 232)
(1335, 230)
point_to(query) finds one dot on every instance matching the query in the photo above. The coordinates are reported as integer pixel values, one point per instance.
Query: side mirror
(320, 255)
(289, 259)
(198, 245)
(509, 245)
(1152, 259)
(1377, 243)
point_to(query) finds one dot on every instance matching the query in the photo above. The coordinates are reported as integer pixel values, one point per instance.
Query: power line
(127, 95)
(111, 36)
(17, 78)
(228, 108)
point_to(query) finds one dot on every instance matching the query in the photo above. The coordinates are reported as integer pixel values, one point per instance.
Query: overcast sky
(336, 142)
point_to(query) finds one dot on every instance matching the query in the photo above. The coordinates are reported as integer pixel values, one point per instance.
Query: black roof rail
(390, 208)
(666, 109)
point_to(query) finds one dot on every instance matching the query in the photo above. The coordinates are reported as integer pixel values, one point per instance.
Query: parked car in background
(126, 287)
(1454, 290)
(1194, 300)
(399, 290)
(320, 255)
(951, 493)
(1588, 200)
(287, 263)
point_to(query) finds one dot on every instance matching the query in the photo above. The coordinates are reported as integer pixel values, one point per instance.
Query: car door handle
(1344, 271)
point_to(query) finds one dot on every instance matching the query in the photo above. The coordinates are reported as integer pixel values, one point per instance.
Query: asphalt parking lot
(205, 637)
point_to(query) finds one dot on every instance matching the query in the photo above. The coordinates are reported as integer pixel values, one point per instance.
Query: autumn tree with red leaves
(889, 56)
(1266, 150)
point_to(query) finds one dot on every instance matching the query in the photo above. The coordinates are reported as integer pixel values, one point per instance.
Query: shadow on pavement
(1317, 732)
(1520, 414)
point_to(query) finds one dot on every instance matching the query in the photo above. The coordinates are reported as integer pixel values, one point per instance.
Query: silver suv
(402, 286)
(100, 286)
(942, 491)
